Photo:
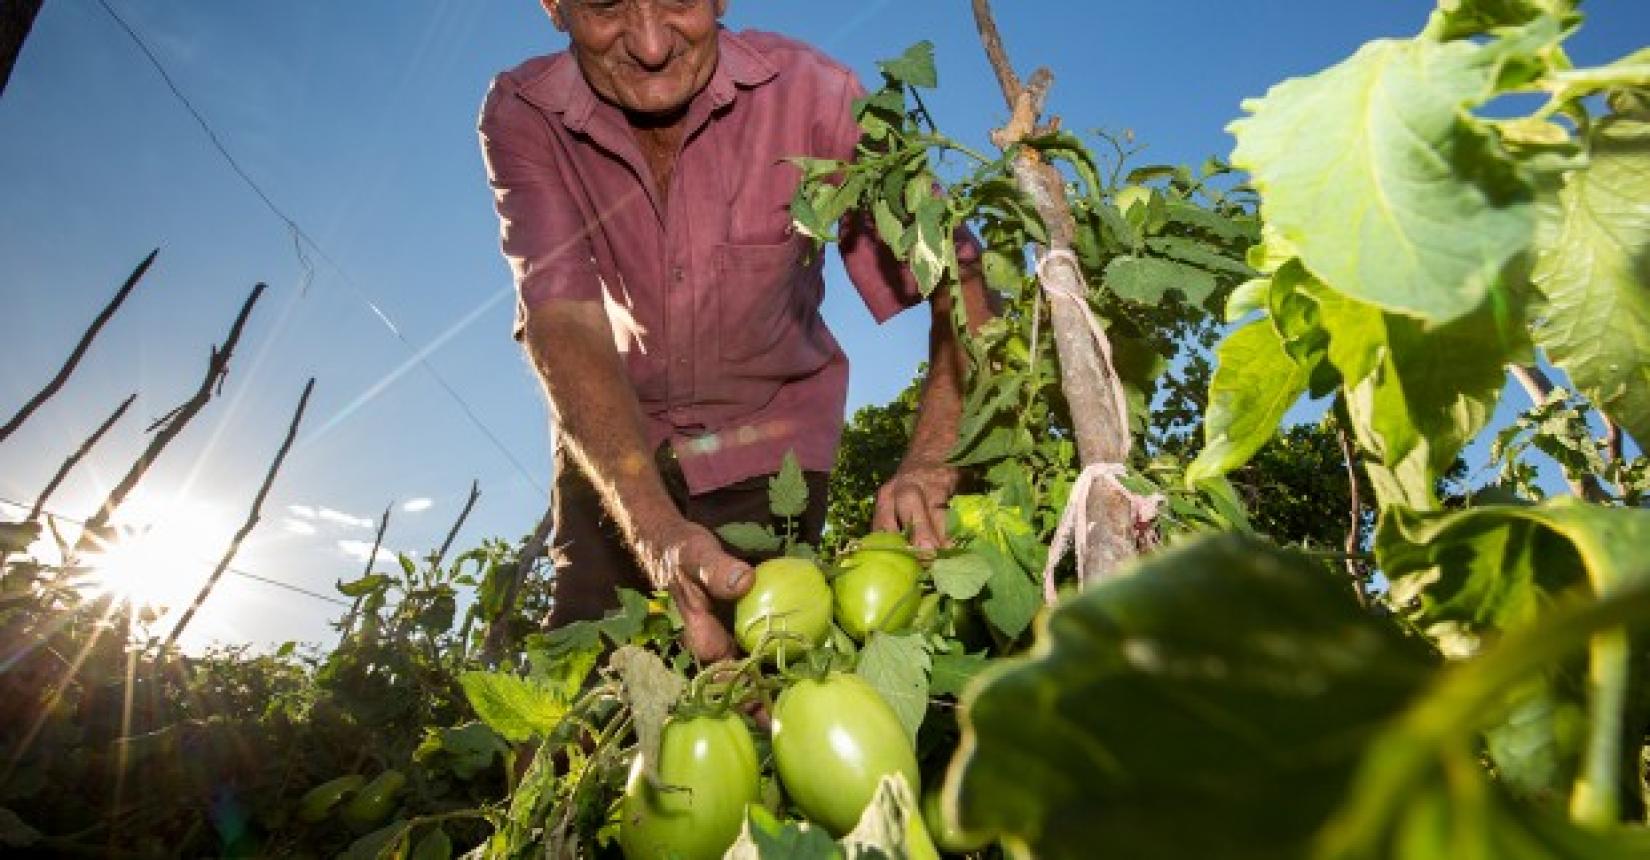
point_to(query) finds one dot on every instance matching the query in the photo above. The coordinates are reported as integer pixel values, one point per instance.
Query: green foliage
(898, 667)
(1593, 272)
(1219, 676)
(1398, 197)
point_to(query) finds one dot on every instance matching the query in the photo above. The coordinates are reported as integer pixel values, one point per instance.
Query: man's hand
(688, 560)
(915, 498)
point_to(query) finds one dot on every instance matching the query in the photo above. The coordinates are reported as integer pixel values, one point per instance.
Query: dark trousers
(590, 556)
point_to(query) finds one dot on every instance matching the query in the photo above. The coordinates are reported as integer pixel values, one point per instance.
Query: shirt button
(678, 274)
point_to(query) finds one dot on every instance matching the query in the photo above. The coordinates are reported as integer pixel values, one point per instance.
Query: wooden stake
(498, 627)
(251, 519)
(80, 348)
(475, 493)
(217, 368)
(1102, 435)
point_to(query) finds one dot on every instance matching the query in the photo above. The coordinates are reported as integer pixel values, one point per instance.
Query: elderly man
(671, 310)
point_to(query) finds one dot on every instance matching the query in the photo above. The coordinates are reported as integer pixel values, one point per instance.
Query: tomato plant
(834, 739)
(693, 806)
(789, 605)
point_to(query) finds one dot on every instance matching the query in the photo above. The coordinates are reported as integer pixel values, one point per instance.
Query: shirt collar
(561, 87)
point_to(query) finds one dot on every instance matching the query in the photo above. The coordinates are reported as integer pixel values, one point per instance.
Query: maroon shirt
(713, 297)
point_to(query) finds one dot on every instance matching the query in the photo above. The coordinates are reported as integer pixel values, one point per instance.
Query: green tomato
(318, 801)
(708, 772)
(884, 540)
(877, 590)
(833, 741)
(375, 802)
(789, 596)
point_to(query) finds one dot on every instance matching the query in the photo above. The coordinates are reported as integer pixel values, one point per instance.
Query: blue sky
(358, 120)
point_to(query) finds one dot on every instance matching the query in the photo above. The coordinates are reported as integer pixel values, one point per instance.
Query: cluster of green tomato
(363, 805)
(834, 737)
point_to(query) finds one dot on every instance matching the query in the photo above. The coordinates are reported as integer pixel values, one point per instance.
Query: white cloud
(304, 511)
(358, 549)
(299, 527)
(417, 505)
(343, 519)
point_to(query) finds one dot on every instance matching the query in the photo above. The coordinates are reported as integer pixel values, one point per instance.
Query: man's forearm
(597, 414)
(939, 410)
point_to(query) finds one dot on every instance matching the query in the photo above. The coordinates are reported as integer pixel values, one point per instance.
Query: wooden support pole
(79, 351)
(217, 368)
(1102, 435)
(251, 518)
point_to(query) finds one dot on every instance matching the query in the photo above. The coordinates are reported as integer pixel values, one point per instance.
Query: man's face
(649, 57)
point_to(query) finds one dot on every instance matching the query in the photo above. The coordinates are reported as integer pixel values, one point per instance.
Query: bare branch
(75, 458)
(355, 608)
(1612, 439)
(994, 52)
(1355, 505)
(79, 352)
(498, 627)
(217, 368)
(475, 493)
(251, 519)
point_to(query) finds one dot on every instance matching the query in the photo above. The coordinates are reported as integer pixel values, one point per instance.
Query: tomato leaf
(960, 576)
(363, 586)
(750, 538)
(1149, 280)
(16, 537)
(1014, 599)
(766, 838)
(1398, 196)
(1594, 275)
(1255, 383)
(915, 67)
(651, 689)
(953, 670)
(465, 750)
(1222, 675)
(788, 490)
(514, 707)
(897, 668)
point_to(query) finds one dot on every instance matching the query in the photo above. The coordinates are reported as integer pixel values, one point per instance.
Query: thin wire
(252, 576)
(301, 238)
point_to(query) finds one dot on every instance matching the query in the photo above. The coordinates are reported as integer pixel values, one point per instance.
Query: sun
(161, 553)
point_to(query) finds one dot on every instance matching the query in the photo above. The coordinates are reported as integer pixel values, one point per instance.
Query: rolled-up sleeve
(542, 231)
(886, 285)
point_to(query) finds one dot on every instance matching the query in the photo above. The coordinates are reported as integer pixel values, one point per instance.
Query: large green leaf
(1421, 791)
(1393, 193)
(1255, 383)
(1416, 387)
(1495, 567)
(1464, 575)
(1224, 679)
(1595, 276)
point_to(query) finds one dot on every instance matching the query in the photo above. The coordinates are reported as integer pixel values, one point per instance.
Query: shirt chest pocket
(767, 304)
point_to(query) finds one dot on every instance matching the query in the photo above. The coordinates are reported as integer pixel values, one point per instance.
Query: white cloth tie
(1074, 521)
